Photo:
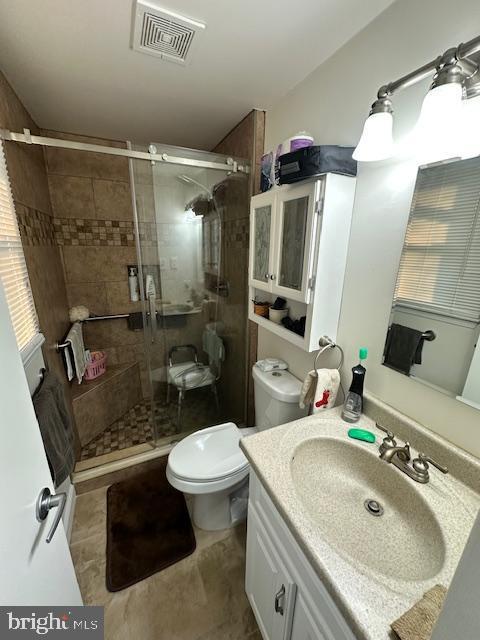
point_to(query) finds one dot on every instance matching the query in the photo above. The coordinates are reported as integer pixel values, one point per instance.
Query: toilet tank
(276, 398)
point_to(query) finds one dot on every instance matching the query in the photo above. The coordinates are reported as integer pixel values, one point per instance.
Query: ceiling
(71, 63)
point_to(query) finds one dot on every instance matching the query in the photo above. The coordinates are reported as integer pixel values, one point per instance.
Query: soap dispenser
(352, 409)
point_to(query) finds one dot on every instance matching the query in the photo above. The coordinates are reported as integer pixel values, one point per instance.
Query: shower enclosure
(191, 245)
(176, 353)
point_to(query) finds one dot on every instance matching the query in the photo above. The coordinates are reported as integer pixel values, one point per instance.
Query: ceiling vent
(163, 33)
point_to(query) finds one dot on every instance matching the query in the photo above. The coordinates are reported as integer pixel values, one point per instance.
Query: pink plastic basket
(97, 367)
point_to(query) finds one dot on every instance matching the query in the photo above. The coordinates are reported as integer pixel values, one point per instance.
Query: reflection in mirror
(434, 323)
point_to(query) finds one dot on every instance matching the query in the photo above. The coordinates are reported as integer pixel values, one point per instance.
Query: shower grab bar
(112, 317)
(64, 345)
(153, 316)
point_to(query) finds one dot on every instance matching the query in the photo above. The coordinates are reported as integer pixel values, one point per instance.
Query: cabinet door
(261, 239)
(304, 625)
(269, 588)
(295, 240)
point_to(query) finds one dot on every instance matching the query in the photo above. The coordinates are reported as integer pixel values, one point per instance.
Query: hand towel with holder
(320, 387)
(403, 347)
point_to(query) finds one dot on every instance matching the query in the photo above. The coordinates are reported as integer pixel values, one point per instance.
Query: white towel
(213, 347)
(68, 363)
(320, 389)
(75, 340)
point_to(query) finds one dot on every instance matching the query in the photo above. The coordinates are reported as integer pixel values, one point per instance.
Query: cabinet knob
(272, 276)
(267, 276)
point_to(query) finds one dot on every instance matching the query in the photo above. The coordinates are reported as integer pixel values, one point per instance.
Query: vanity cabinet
(287, 598)
(267, 577)
(298, 250)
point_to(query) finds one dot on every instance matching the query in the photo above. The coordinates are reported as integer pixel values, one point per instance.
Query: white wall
(332, 104)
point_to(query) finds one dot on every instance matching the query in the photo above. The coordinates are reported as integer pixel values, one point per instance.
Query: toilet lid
(208, 454)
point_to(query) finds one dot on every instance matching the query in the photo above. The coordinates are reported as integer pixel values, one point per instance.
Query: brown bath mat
(148, 528)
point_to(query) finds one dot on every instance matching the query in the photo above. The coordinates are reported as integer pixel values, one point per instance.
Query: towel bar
(113, 317)
(64, 345)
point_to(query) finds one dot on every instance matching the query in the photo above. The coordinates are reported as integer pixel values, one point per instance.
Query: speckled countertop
(368, 598)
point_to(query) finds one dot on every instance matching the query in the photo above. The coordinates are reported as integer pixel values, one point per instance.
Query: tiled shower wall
(93, 226)
(28, 177)
(246, 140)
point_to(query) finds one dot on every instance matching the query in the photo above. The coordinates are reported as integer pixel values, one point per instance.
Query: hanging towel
(68, 363)
(403, 348)
(55, 426)
(214, 348)
(320, 389)
(75, 341)
(307, 392)
(418, 622)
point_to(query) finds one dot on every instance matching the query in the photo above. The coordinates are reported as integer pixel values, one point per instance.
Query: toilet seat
(208, 460)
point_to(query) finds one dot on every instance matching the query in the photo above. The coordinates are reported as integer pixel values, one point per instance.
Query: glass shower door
(194, 315)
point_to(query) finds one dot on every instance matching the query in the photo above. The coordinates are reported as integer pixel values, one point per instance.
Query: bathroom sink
(397, 535)
(177, 309)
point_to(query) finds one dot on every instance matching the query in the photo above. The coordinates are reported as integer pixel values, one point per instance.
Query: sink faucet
(401, 456)
(403, 453)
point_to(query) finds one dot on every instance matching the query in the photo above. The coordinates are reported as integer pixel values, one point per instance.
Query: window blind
(13, 269)
(440, 264)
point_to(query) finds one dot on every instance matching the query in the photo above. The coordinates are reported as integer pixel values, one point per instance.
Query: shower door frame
(231, 165)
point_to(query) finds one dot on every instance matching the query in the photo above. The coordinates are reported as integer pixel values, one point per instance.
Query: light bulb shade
(376, 142)
(437, 127)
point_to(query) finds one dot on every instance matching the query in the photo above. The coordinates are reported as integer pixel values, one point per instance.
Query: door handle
(279, 596)
(153, 315)
(46, 501)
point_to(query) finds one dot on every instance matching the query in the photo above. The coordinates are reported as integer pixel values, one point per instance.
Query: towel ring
(326, 343)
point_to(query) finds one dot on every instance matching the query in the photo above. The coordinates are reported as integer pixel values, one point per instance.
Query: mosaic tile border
(40, 229)
(76, 231)
(237, 233)
(36, 227)
(105, 233)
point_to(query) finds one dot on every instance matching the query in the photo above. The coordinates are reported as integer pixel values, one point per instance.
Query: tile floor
(135, 426)
(200, 598)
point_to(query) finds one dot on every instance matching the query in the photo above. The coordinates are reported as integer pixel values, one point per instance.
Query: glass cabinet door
(295, 241)
(292, 249)
(260, 244)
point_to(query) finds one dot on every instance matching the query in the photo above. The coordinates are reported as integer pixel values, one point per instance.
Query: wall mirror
(434, 326)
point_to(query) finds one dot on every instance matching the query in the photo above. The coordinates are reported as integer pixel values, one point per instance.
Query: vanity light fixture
(376, 142)
(456, 76)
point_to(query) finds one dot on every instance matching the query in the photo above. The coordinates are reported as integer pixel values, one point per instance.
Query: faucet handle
(387, 431)
(389, 441)
(420, 464)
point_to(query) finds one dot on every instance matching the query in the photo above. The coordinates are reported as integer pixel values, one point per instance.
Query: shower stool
(188, 375)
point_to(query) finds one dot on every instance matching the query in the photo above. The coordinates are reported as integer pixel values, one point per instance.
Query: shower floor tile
(132, 429)
(135, 427)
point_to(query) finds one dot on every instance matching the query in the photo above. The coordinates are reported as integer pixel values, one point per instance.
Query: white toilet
(209, 464)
